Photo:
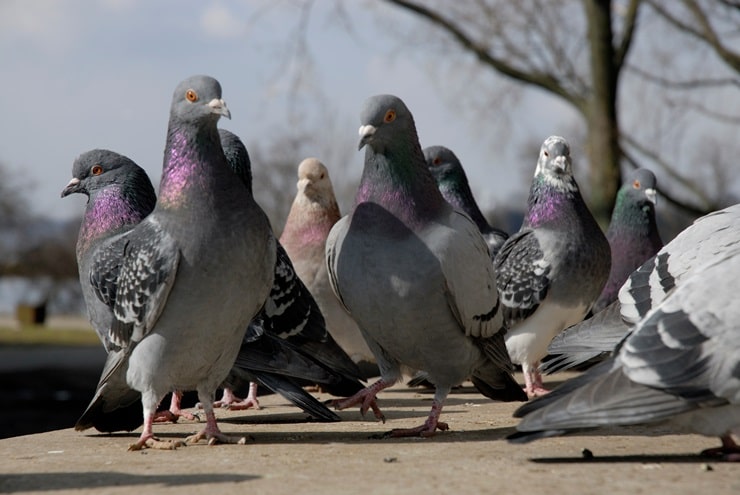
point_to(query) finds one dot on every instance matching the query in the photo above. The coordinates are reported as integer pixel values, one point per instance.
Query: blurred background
(630, 83)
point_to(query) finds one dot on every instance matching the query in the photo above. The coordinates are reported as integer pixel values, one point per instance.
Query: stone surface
(286, 455)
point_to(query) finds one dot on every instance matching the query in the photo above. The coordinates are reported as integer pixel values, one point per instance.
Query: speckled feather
(195, 271)
(150, 260)
(290, 312)
(523, 276)
(551, 271)
(120, 195)
(679, 363)
(646, 287)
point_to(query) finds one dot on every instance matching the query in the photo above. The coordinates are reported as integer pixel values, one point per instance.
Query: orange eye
(96, 170)
(437, 161)
(191, 95)
(390, 116)
(636, 184)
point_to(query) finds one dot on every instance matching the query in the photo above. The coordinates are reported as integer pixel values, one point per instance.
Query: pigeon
(415, 274)
(632, 234)
(453, 184)
(595, 338)
(291, 313)
(190, 276)
(120, 195)
(551, 271)
(312, 215)
(679, 363)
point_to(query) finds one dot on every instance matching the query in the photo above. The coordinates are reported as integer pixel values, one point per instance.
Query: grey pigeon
(193, 273)
(632, 234)
(645, 288)
(415, 273)
(679, 363)
(291, 313)
(312, 215)
(453, 184)
(120, 196)
(553, 269)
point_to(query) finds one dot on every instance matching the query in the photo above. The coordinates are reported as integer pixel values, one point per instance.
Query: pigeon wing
(523, 276)
(147, 272)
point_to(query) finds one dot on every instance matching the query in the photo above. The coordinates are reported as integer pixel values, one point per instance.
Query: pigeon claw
(174, 416)
(155, 443)
(215, 438)
(366, 398)
(425, 431)
(729, 451)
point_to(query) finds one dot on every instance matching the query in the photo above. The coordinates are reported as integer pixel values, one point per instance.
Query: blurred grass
(44, 335)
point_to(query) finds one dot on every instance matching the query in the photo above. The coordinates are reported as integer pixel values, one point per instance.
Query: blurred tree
(13, 205)
(581, 51)
(275, 168)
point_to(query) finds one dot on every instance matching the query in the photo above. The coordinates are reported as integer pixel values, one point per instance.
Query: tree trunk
(602, 143)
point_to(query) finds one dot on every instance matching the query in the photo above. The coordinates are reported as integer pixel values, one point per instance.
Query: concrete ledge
(287, 455)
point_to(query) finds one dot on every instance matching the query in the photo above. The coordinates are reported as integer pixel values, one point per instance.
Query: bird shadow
(365, 437)
(354, 437)
(27, 482)
(635, 458)
(392, 410)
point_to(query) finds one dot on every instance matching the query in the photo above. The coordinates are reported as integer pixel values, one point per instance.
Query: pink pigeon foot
(149, 441)
(213, 434)
(428, 429)
(730, 451)
(234, 403)
(533, 385)
(174, 413)
(366, 399)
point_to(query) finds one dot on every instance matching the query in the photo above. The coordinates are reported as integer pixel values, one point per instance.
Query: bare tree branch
(688, 84)
(630, 23)
(536, 78)
(706, 33)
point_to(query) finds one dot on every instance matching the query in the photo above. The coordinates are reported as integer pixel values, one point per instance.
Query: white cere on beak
(218, 106)
(652, 195)
(367, 130)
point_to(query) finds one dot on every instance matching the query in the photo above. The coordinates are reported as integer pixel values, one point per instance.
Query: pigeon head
(444, 165)
(313, 179)
(198, 98)
(384, 118)
(119, 194)
(237, 156)
(98, 169)
(640, 188)
(554, 165)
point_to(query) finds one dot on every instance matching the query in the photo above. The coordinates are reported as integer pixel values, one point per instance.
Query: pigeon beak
(366, 134)
(652, 195)
(219, 106)
(73, 186)
(561, 163)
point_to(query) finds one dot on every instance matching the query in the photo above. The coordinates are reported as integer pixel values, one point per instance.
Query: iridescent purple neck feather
(109, 212)
(548, 203)
(402, 184)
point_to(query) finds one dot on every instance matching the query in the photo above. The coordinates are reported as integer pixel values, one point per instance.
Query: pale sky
(81, 74)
